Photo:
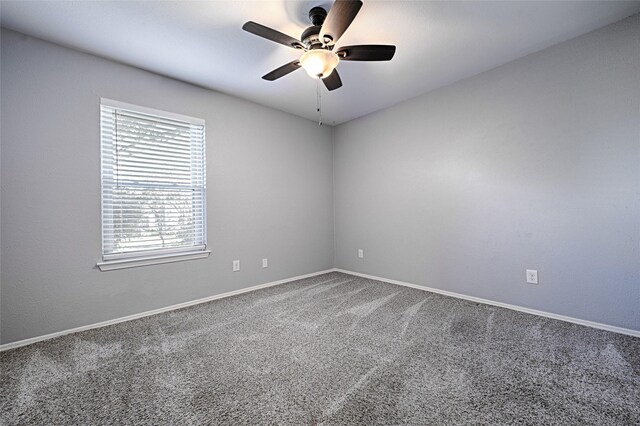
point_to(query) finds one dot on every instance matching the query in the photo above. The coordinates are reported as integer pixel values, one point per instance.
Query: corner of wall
(333, 191)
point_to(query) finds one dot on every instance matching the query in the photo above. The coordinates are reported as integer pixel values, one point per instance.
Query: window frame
(130, 259)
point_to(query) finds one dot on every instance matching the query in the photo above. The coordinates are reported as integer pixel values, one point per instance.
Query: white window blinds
(153, 182)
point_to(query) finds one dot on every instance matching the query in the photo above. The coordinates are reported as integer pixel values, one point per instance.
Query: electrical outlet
(265, 263)
(236, 265)
(532, 276)
(360, 254)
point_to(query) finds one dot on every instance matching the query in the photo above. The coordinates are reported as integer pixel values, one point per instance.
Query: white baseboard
(31, 340)
(592, 324)
(621, 330)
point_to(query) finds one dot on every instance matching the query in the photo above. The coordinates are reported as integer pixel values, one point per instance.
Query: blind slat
(124, 184)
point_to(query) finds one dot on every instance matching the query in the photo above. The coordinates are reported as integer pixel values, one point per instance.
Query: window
(153, 186)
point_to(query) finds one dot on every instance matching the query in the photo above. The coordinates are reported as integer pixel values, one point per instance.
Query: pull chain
(319, 102)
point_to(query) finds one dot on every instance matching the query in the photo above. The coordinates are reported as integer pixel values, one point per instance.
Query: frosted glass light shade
(319, 63)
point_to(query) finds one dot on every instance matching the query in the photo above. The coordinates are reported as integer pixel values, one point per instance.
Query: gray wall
(269, 192)
(532, 165)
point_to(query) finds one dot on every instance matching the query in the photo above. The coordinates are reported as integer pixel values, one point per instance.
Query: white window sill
(135, 262)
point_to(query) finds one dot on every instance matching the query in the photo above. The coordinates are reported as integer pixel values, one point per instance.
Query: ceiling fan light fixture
(319, 63)
(319, 59)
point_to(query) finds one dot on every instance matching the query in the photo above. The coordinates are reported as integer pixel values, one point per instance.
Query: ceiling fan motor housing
(310, 36)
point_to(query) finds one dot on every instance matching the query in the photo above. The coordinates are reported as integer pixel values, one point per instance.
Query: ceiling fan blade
(271, 34)
(366, 52)
(282, 71)
(333, 81)
(340, 16)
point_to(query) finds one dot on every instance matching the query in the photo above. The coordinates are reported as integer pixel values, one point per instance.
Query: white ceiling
(202, 42)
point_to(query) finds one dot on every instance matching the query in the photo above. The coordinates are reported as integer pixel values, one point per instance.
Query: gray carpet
(333, 349)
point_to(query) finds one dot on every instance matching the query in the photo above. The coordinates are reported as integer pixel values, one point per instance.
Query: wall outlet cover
(532, 276)
(360, 254)
(265, 263)
(236, 265)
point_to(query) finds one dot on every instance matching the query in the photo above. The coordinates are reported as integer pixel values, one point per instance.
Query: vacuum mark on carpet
(368, 308)
(338, 403)
(317, 290)
(346, 295)
(40, 372)
(535, 331)
(87, 355)
(408, 315)
(614, 361)
(489, 330)
(287, 295)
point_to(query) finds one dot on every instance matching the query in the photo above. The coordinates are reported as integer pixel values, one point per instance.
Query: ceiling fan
(318, 42)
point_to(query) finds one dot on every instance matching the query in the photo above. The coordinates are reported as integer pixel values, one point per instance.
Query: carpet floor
(333, 349)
